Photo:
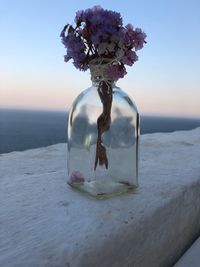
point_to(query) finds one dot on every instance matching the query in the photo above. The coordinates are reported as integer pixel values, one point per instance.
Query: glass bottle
(120, 141)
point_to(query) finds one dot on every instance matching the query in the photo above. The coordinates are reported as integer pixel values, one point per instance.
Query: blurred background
(37, 87)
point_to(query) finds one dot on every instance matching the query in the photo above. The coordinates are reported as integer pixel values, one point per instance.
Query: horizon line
(146, 114)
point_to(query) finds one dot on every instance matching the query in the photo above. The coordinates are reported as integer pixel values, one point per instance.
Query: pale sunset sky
(165, 80)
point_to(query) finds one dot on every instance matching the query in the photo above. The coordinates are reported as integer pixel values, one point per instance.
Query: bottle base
(103, 189)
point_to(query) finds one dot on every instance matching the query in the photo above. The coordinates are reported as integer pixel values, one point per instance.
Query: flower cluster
(100, 34)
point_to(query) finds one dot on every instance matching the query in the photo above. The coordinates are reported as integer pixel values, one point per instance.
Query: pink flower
(129, 35)
(129, 58)
(139, 39)
(116, 71)
(76, 177)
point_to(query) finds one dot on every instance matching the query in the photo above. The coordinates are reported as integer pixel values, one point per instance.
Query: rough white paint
(192, 256)
(43, 222)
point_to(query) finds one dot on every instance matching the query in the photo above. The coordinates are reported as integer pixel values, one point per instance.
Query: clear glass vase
(120, 141)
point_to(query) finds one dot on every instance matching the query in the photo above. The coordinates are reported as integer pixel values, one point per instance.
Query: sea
(27, 129)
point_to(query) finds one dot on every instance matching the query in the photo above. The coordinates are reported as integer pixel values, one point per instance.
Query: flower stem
(103, 122)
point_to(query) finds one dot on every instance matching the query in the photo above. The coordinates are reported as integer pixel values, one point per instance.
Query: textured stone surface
(192, 256)
(43, 222)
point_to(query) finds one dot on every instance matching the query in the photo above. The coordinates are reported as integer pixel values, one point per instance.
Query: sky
(165, 80)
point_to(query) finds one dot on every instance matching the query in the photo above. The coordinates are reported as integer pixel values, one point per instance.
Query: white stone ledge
(191, 257)
(43, 222)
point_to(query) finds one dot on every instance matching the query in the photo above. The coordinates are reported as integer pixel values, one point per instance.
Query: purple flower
(80, 62)
(98, 15)
(139, 39)
(129, 35)
(116, 71)
(100, 33)
(67, 58)
(129, 58)
(75, 49)
(134, 38)
(79, 17)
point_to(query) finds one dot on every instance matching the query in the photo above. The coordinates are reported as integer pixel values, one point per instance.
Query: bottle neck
(99, 74)
(97, 82)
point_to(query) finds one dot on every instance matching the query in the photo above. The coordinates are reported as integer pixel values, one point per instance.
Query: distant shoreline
(25, 129)
(7, 109)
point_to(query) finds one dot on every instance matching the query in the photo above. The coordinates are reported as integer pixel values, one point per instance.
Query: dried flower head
(99, 33)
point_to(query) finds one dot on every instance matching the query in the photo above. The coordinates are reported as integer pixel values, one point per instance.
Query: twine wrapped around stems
(98, 70)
